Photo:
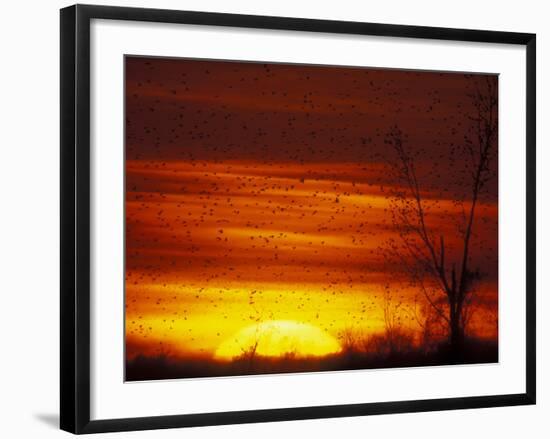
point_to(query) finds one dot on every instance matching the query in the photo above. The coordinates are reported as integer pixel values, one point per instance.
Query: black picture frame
(75, 217)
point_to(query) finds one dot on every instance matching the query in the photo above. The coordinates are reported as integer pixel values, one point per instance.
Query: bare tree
(249, 353)
(446, 280)
(349, 340)
(397, 337)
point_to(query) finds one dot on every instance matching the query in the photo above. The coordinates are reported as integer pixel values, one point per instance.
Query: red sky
(254, 191)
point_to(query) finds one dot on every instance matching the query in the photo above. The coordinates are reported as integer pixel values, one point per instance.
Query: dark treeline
(144, 368)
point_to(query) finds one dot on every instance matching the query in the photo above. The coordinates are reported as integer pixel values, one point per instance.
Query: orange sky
(230, 222)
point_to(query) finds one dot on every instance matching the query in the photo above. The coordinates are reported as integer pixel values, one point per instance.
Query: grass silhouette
(373, 352)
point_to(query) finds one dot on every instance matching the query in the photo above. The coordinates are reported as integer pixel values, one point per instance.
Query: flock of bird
(253, 191)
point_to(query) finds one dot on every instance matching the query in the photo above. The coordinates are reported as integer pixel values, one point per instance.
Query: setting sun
(279, 338)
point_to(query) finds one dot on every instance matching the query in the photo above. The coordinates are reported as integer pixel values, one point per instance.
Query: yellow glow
(278, 338)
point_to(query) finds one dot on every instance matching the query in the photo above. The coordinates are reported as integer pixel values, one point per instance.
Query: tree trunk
(456, 336)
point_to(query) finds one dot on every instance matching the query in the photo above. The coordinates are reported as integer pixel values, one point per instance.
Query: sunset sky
(258, 192)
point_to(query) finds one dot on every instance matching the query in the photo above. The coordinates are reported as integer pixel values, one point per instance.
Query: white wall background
(29, 217)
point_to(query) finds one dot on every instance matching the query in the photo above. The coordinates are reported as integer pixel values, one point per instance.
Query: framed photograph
(268, 218)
